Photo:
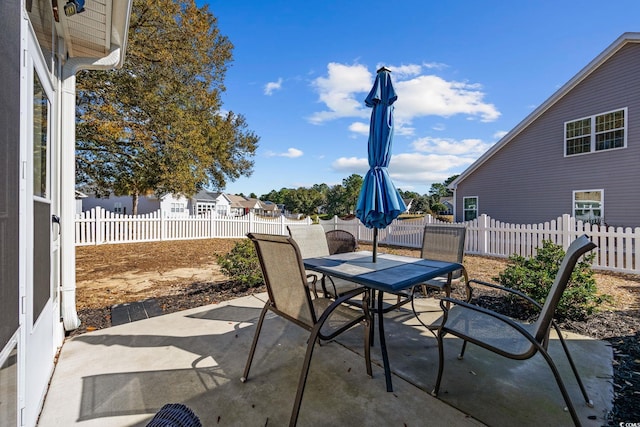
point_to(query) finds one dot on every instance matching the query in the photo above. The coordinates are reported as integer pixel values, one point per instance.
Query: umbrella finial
(383, 68)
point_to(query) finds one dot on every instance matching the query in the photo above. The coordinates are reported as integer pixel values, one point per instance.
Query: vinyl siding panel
(530, 181)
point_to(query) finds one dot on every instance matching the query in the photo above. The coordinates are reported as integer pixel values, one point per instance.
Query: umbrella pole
(375, 244)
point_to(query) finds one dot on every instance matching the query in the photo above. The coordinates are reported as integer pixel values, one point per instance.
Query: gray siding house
(578, 153)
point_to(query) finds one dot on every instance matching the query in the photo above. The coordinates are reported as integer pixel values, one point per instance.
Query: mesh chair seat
(491, 332)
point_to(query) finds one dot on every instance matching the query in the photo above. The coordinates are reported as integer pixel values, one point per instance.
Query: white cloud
(433, 160)
(465, 147)
(338, 92)
(432, 95)
(271, 87)
(359, 128)
(344, 88)
(410, 168)
(291, 153)
(351, 165)
(499, 134)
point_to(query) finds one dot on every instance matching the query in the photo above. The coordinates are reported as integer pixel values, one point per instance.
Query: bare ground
(184, 274)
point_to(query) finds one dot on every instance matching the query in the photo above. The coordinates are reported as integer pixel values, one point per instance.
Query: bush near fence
(616, 251)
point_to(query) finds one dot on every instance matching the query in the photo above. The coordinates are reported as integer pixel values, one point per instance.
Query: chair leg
(588, 401)
(254, 344)
(464, 347)
(303, 375)
(563, 389)
(367, 332)
(436, 389)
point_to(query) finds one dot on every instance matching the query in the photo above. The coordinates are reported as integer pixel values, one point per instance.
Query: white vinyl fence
(616, 251)
(99, 226)
(617, 247)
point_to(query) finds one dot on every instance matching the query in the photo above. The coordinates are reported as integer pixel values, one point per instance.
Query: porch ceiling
(94, 33)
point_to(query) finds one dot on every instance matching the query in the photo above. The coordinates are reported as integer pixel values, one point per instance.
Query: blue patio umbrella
(379, 202)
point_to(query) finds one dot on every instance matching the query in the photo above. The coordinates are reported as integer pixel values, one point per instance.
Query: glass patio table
(390, 273)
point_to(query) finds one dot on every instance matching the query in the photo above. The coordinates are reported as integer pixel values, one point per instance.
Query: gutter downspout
(68, 178)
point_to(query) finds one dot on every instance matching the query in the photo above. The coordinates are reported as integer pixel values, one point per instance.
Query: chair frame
(427, 252)
(538, 337)
(316, 324)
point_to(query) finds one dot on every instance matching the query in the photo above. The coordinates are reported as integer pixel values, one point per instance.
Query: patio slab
(121, 376)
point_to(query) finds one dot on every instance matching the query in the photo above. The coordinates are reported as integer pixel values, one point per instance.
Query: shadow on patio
(122, 375)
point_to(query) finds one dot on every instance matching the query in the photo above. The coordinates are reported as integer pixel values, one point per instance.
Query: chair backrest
(341, 241)
(579, 247)
(310, 239)
(444, 242)
(284, 276)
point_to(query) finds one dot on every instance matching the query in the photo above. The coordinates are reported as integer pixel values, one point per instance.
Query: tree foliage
(156, 125)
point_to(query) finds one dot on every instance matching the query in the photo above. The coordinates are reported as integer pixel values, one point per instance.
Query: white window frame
(465, 210)
(592, 134)
(601, 207)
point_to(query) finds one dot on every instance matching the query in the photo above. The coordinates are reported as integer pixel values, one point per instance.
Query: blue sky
(466, 72)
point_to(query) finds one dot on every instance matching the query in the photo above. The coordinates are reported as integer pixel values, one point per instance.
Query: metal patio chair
(290, 297)
(341, 241)
(313, 242)
(441, 242)
(511, 338)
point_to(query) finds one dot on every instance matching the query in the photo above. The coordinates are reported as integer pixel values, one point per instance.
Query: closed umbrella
(379, 202)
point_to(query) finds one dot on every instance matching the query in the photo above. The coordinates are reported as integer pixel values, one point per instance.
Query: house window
(588, 205)
(204, 207)
(118, 208)
(470, 208)
(177, 207)
(604, 131)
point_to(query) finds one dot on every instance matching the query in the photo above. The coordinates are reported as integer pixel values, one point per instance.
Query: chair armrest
(507, 289)
(312, 284)
(343, 298)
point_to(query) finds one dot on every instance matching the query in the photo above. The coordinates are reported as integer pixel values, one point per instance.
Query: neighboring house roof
(209, 196)
(80, 195)
(559, 94)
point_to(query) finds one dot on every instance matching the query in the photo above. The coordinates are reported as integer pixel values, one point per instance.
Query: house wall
(530, 181)
(168, 205)
(10, 51)
(146, 204)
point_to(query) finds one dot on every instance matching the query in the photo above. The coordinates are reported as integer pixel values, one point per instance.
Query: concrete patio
(121, 376)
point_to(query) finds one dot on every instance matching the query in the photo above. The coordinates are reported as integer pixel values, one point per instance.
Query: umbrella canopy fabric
(379, 202)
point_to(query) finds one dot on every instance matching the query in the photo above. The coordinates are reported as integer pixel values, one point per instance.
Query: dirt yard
(114, 274)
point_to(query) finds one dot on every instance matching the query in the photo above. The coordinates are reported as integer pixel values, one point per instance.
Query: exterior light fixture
(73, 6)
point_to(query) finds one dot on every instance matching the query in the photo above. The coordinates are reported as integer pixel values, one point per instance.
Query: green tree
(335, 202)
(156, 124)
(352, 186)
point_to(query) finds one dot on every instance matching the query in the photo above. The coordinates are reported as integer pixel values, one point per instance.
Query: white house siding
(529, 180)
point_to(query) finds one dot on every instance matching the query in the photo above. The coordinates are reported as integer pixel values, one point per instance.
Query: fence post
(99, 235)
(163, 231)
(211, 225)
(483, 237)
(283, 226)
(251, 223)
(566, 231)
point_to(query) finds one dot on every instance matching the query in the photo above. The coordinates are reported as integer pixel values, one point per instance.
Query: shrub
(534, 277)
(241, 264)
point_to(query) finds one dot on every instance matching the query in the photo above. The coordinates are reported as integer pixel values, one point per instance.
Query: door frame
(38, 346)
